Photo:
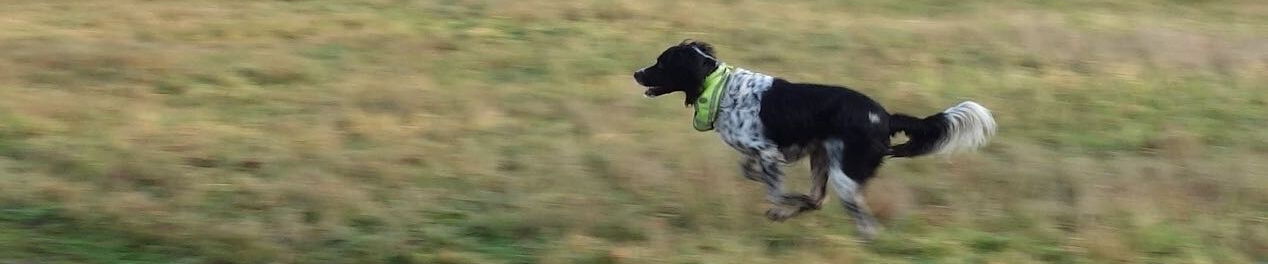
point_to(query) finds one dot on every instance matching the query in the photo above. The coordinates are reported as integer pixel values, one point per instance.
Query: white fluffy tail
(969, 126)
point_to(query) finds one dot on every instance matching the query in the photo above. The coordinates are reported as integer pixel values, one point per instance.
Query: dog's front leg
(769, 174)
(773, 155)
(819, 166)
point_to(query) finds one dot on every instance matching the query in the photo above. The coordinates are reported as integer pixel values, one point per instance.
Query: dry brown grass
(509, 132)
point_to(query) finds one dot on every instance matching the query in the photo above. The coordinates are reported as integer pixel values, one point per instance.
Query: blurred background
(498, 131)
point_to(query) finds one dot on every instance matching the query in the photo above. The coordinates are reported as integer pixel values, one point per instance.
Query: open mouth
(654, 91)
(651, 92)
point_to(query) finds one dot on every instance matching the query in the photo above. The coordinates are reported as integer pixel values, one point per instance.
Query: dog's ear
(704, 47)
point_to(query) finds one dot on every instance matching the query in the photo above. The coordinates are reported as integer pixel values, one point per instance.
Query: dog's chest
(738, 122)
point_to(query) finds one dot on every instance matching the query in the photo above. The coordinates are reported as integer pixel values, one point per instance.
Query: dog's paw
(779, 214)
(867, 234)
(868, 228)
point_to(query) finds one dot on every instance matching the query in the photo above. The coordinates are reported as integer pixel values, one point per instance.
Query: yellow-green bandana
(710, 96)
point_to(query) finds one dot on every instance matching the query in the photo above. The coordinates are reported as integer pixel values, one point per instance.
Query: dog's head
(682, 67)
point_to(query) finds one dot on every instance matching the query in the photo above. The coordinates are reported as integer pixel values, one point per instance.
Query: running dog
(774, 122)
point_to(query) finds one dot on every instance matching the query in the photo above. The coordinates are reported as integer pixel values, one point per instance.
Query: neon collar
(710, 96)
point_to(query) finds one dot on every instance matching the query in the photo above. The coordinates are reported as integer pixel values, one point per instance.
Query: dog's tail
(965, 126)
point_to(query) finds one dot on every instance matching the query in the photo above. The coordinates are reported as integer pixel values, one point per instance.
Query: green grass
(488, 131)
(46, 235)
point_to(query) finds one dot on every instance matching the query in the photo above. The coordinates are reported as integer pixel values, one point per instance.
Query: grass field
(498, 131)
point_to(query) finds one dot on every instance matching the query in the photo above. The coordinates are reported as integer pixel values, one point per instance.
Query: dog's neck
(709, 97)
(694, 90)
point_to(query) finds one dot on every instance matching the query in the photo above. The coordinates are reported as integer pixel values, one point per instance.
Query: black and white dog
(774, 122)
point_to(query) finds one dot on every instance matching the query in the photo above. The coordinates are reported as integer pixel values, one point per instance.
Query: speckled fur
(738, 122)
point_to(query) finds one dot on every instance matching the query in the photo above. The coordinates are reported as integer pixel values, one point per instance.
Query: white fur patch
(876, 119)
(738, 122)
(971, 127)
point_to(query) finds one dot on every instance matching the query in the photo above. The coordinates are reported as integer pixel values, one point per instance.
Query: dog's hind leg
(849, 190)
(852, 199)
(819, 165)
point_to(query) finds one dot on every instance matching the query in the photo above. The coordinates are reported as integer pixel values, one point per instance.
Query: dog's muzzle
(652, 91)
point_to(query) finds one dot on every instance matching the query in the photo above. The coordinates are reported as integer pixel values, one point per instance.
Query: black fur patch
(804, 114)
